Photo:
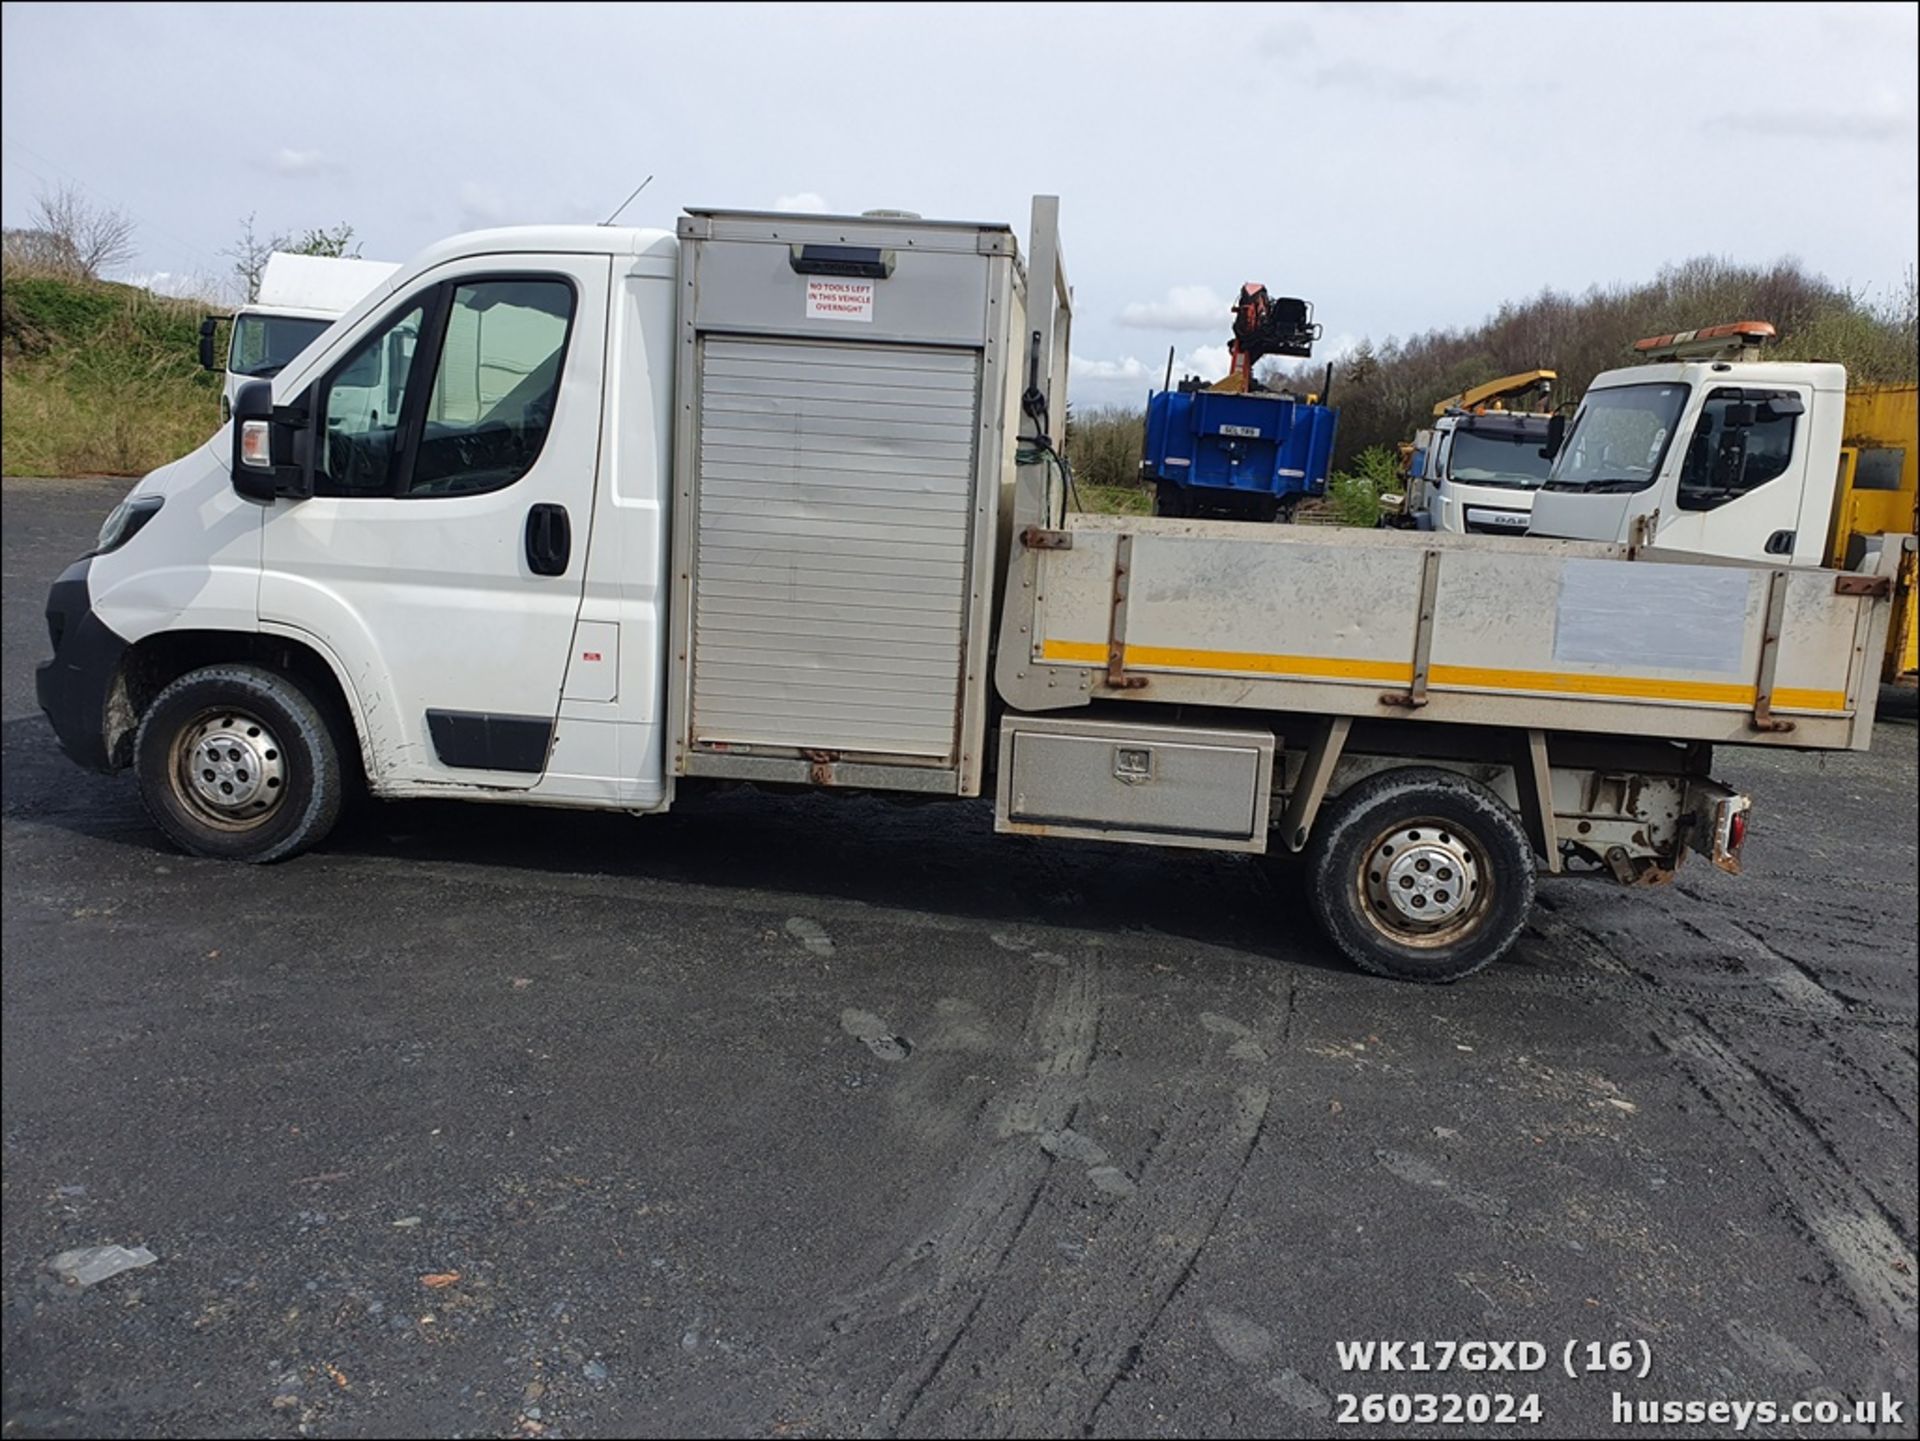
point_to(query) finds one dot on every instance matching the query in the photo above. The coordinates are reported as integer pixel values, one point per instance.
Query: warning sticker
(839, 299)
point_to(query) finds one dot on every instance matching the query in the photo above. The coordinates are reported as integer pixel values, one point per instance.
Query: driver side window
(453, 397)
(494, 389)
(1738, 445)
(360, 416)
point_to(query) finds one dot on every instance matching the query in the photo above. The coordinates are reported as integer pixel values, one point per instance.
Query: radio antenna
(628, 201)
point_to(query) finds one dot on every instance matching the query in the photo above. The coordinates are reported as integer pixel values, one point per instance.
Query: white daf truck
(1475, 469)
(775, 500)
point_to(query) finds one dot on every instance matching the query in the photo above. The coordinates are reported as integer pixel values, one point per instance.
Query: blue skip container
(1251, 456)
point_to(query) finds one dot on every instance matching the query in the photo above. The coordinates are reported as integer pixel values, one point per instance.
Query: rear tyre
(238, 763)
(1421, 875)
(1169, 499)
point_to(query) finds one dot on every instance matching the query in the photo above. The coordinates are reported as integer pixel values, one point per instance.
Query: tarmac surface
(812, 1116)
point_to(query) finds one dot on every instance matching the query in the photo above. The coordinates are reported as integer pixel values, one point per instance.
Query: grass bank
(99, 378)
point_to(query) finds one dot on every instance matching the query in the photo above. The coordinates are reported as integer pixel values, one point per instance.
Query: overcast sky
(1401, 167)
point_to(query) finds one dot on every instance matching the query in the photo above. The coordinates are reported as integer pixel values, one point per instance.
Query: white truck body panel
(318, 284)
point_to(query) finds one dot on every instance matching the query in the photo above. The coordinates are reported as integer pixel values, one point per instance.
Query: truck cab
(1477, 474)
(1706, 450)
(298, 298)
(1475, 469)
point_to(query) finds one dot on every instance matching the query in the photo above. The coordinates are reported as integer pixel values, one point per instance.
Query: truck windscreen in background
(1619, 438)
(1509, 458)
(264, 344)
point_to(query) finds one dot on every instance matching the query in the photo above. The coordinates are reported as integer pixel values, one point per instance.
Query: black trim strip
(475, 740)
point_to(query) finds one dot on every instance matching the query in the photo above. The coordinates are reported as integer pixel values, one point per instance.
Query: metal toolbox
(1118, 781)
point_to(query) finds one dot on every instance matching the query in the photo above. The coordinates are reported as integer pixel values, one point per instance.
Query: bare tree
(249, 253)
(249, 256)
(79, 236)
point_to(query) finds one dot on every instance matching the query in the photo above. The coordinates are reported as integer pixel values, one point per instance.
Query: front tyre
(238, 763)
(1421, 875)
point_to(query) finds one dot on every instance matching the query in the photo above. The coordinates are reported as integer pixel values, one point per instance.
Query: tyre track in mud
(933, 1290)
(1048, 1361)
(1838, 1211)
(954, 1336)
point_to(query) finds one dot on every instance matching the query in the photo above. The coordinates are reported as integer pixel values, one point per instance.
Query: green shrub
(1355, 493)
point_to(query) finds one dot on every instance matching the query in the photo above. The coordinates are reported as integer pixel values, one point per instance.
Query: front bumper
(74, 688)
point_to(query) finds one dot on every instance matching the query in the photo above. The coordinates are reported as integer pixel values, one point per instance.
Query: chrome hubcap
(1423, 882)
(233, 766)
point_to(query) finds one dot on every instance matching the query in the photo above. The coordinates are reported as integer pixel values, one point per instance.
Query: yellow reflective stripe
(1788, 697)
(1313, 667)
(1635, 687)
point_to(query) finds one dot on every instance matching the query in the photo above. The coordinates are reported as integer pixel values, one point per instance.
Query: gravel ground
(809, 1116)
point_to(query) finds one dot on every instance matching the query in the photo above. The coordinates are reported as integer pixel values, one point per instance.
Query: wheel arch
(156, 661)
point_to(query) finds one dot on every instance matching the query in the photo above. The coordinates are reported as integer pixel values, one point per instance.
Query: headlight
(124, 523)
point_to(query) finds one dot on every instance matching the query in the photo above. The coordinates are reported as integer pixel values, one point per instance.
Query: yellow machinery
(1494, 393)
(1877, 495)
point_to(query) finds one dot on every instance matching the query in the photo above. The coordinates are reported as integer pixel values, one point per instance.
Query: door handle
(549, 540)
(1780, 543)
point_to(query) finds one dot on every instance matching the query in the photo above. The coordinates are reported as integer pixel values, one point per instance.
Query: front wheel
(238, 763)
(1421, 875)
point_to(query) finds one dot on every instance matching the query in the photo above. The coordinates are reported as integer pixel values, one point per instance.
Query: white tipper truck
(775, 500)
(298, 297)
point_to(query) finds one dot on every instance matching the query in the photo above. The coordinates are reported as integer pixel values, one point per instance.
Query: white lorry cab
(1474, 471)
(776, 499)
(299, 296)
(1706, 448)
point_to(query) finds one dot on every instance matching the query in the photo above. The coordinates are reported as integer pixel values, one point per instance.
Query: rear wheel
(238, 763)
(1421, 874)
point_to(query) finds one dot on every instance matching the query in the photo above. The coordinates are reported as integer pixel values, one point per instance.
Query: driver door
(1743, 474)
(441, 558)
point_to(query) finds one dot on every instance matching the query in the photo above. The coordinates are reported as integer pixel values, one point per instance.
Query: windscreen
(1619, 438)
(1506, 457)
(264, 344)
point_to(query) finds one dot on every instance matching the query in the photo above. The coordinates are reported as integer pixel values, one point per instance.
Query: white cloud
(1186, 307)
(179, 286)
(1104, 381)
(806, 200)
(1126, 368)
(1885, 120)
(1209, 362)
(481, 205)
(303, 163)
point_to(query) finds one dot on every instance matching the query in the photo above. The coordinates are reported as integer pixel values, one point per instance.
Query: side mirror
(267, 461)
(1556, 435)
(1737, 416)
(206, 344)
(1780, 407)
